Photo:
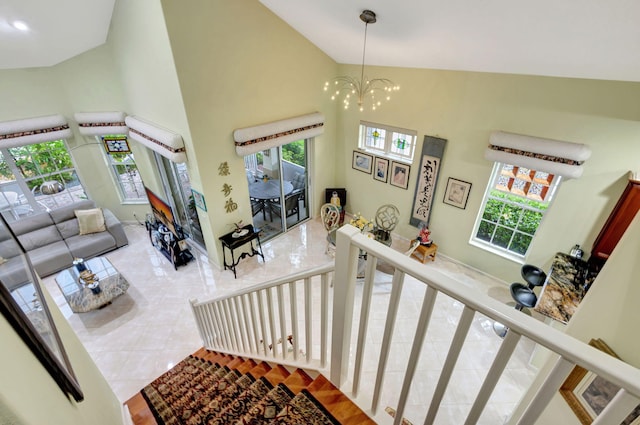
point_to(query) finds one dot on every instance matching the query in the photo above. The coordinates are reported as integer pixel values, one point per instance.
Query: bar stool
(533, 275)
(524, 296)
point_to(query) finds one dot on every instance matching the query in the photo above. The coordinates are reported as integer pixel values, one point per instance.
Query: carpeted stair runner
(208, 388)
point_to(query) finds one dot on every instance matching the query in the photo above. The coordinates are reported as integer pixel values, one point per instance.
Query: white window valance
(33, 130)
(101, 123)
(165, 142)
(265, 136)
(548, 155)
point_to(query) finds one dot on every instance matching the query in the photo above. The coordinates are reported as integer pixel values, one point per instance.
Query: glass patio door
(278, 187)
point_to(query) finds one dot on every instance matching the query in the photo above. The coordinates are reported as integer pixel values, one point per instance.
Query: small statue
(425, 236)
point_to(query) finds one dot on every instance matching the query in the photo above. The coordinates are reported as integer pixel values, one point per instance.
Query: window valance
(101, 123)
(33, 130)
(165, 142)
(548, 155)
(265, 136)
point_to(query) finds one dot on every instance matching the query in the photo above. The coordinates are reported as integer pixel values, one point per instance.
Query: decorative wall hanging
(33, 130)
(266, 136)
(166, 143)
(381, 169)
(198, 199)
(100, 123)
(432, 152)
(399, 174)
(362, 162)
(457, 193)
(551, 156)
(116, 144)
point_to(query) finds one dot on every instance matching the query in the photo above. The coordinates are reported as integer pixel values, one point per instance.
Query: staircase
(330, 329)
(214, 388)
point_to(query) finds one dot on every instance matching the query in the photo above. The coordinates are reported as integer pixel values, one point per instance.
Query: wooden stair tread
(338, 404)
(298, 380)
(139, 411)
(276, 375)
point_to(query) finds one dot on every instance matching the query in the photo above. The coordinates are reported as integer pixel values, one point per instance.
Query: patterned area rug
(198, 392)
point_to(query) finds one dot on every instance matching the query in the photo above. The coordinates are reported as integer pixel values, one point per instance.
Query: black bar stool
(524, 296)
(533, 275)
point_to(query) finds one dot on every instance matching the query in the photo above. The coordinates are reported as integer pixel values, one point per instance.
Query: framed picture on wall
(362, 162)
(588, 394)
(198, 199)
(457, 193)
(381, 169)
(399, 176)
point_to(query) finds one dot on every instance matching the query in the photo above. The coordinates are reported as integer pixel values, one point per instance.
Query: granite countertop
(564, 288)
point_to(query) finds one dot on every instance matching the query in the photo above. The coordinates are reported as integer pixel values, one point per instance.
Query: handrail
(257, 319)
(570, 348)
(301, 275)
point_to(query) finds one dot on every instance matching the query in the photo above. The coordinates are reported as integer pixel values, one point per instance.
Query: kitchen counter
(565, 287)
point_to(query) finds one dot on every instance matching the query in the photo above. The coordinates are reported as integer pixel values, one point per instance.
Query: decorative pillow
(90, 221)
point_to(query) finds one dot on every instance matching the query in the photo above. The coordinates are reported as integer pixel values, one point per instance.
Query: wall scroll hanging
(432, 152)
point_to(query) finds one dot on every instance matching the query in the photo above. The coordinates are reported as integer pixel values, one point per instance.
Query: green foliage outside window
(40, 162)
(510, 221)
(294, 152)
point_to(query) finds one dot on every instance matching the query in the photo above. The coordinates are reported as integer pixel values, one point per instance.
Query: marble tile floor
(149, 329)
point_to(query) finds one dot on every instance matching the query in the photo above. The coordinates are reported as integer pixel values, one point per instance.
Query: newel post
(344, 282)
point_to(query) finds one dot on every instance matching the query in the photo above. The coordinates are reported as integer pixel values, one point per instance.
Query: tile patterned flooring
(149, 329)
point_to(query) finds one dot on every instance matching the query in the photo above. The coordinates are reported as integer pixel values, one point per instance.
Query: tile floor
(149, 329)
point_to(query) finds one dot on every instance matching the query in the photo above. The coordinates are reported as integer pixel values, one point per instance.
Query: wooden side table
(423, 252)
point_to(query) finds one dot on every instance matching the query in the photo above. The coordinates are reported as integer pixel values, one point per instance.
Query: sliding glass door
(278, 187)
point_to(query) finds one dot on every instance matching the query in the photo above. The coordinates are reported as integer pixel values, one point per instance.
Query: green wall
(238, 66)
(27, 389)
(464, 108)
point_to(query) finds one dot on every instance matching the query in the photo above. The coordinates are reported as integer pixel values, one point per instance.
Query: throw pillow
(90, 221)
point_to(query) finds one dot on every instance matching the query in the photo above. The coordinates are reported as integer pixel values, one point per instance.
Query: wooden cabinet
(620, 218)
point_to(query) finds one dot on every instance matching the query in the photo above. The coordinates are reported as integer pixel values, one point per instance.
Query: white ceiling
(568, 38)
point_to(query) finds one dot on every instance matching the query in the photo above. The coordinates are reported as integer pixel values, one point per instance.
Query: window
(514, 205)
(38, 177)
(383, 140)
(124, 169)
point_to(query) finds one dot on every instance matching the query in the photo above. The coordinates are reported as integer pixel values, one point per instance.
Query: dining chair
(387, 217)
(330, 215)
(291, 205)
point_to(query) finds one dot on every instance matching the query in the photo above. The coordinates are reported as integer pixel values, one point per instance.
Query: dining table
(261, 190)
(264, 191)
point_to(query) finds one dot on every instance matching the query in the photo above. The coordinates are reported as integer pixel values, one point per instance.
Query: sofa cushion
(9, 249)
(90, 221)
(39, 238)
(69, 212)
(13, 273)
(68, 228)
(51, 258)
(87, 246)
(31, 223)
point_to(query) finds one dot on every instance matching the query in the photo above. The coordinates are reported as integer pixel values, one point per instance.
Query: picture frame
(457, 193)
(362, 162)
(198, 199)
(381, 169)
(399, 175)
(587, 394)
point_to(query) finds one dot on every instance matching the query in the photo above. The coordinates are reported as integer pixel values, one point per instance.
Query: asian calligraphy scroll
(432, 152)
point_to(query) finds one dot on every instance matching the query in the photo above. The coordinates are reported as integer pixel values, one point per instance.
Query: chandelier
(362, 89)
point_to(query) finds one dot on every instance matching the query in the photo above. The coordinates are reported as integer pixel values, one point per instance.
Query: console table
(173, 248)
(236, 239)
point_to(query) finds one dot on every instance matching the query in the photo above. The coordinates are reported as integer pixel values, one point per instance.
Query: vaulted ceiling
(570, 38)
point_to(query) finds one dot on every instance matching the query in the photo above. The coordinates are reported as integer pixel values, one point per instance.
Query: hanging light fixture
(374, 91)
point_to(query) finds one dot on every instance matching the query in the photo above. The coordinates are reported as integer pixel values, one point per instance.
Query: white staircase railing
(248, 322)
